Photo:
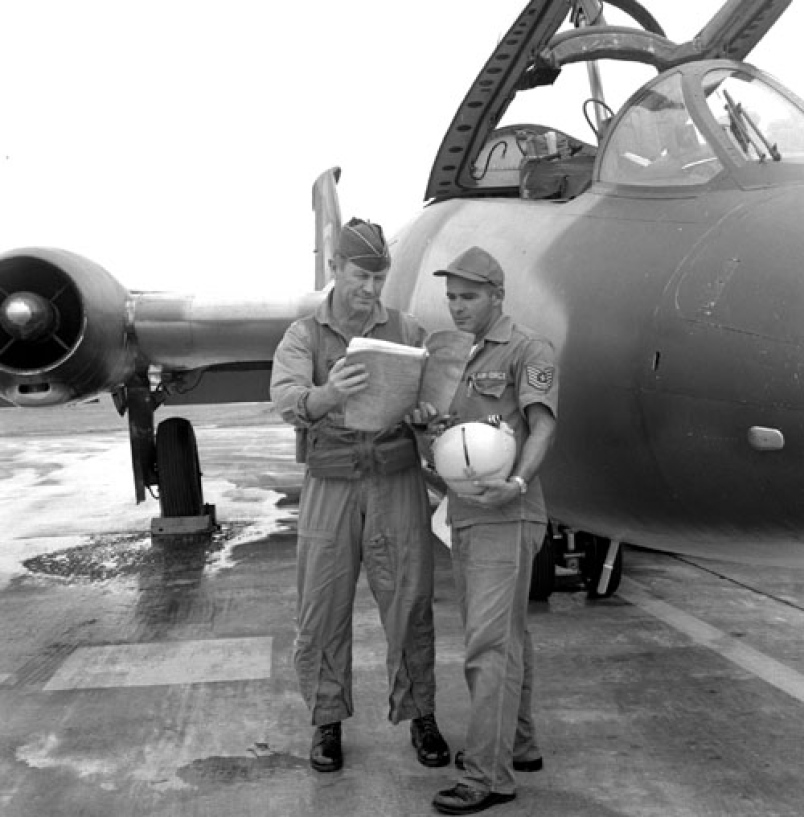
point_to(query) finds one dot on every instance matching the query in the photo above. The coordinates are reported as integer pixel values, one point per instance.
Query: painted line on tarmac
(757, 663)
(164, 663)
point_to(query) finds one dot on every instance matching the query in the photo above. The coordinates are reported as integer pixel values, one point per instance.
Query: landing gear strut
(167, 460)
(602, 566)
(566, 555)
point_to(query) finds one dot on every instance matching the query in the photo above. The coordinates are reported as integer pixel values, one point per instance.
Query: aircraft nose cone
(27, 316)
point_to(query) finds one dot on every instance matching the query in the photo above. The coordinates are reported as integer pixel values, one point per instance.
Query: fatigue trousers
(381, 521)
(492, 569)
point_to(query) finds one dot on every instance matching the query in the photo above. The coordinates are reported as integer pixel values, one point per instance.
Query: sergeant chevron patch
(541, 379)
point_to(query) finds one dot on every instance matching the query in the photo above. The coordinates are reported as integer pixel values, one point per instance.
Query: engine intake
(63, 331)
(41, 315)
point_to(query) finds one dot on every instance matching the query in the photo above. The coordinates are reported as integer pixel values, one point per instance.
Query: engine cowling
(63, 328)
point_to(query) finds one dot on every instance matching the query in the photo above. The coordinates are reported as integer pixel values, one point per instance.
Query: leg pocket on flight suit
(382, 560)
(319, 571)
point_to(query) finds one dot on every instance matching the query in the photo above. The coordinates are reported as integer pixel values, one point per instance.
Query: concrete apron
(142, 680)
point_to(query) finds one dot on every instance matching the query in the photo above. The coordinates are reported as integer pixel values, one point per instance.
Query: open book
(402, 376)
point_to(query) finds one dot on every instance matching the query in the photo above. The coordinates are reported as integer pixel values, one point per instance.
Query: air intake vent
(25, 277)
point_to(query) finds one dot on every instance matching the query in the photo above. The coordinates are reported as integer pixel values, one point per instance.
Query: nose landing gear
(569, 556)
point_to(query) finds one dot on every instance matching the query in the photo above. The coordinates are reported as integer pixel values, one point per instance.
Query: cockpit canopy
(685, 116)
(687, 126)
(713, 121)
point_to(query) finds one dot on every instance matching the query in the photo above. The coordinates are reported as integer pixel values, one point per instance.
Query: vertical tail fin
(327, 223)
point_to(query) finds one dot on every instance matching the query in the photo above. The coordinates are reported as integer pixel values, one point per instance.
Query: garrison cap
(363, 243)
(475, 264)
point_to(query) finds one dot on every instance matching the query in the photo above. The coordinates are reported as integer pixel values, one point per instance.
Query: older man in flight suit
(363, 501)
(512, 374)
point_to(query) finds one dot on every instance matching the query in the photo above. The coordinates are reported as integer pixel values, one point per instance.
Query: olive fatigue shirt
(511, 368)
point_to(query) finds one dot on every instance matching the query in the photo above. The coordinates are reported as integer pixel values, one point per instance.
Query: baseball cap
(363, 243)
(475, 264)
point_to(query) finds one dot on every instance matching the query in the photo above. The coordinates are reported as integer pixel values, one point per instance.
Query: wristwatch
(523, 486)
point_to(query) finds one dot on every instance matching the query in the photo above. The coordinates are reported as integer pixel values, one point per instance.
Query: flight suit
(492, 554)
(363, 500)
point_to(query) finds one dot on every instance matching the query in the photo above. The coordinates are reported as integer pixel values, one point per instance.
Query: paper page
(395, 373)
(448, 353)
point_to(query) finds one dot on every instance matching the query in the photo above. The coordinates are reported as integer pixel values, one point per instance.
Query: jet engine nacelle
(63, 328)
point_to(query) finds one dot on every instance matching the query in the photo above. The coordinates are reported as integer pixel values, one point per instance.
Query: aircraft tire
(543, 575)
(178, 469)
(595, 548)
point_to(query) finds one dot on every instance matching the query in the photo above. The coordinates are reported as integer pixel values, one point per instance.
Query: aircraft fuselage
(679, 325)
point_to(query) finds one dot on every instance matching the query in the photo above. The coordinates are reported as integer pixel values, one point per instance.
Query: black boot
(325, 753)
(463, 799)
(431, 748)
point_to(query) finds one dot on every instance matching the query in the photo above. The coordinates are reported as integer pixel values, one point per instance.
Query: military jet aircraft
(663, 258)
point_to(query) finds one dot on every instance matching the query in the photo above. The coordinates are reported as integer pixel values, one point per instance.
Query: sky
(176, 142)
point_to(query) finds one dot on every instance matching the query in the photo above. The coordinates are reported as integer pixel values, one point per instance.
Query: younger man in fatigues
(495, 534)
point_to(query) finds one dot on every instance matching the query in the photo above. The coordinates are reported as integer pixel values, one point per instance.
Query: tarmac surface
(138, 678)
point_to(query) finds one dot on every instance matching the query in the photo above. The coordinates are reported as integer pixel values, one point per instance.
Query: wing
(70, 331)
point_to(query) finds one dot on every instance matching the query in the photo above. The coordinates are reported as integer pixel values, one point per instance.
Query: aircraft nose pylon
(27, 316)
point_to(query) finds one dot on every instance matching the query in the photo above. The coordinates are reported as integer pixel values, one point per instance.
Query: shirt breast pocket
(492, 387)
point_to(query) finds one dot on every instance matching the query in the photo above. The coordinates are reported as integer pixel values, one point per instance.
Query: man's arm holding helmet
(542, 425)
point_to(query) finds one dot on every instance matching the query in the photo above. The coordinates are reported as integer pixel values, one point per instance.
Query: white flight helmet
(472, 451)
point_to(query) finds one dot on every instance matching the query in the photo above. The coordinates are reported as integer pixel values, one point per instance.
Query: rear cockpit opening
(534, 162)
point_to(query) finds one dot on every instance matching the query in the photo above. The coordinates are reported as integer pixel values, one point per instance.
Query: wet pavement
(144, 679)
